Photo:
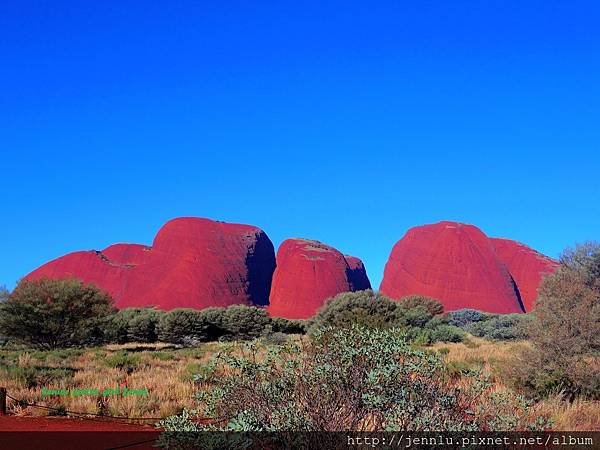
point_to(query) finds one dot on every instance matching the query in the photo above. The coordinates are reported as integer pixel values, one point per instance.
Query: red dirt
(454, 263)
(308, 272)
(527, 267)
(17, 423)
(193, 263)
(39, 433)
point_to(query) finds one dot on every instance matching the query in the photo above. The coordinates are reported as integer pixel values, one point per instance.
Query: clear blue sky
(346, 122)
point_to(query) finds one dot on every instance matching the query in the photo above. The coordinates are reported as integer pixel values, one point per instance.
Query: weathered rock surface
(454, 263)
(193, 263)
(308, 272)
(527, 267)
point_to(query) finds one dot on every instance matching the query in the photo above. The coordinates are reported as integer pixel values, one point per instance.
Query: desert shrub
(433, 306)
(288, 326)
(185, 326)
(365, 308)
(118, 329)
(143, 327)
(565, 330)
(242, 322)
(464, 317)
(416, 316)
(353, 378)
(55, 313)
(500, 327)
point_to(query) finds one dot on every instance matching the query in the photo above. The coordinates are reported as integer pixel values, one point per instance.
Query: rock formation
(193, 263)
(527, 267)
(308, 272)
(454, 263)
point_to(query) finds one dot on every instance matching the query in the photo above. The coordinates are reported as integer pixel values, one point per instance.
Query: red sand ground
(37, 433)
(309, 272)
(454, 263)
(193, 263)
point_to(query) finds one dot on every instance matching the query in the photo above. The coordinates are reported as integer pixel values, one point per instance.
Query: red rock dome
(308, 272)
(527, 267)
(193, 263)
(454, 263)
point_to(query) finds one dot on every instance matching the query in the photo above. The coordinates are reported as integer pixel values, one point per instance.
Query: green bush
(366, 308)
(464, 317)
(143, 327)
(500, 327)
(119, 330)
(186, 327)
(433, 306)
(417, 316)
(288, 326)
(355, 378)
(55, 313)
(244, 322)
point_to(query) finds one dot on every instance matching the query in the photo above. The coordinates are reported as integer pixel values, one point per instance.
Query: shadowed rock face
(309, 272)
(193, 263)
(527, 266)
(357, 274)
(454, 263)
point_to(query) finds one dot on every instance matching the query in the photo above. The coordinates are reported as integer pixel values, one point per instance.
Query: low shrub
(463, 317)
(433, 306)
(354, 378)
(501, 327)
(418, 316)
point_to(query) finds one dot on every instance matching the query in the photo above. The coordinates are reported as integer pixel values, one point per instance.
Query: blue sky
(346, 122)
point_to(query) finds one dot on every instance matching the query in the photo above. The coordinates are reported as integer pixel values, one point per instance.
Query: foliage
(463, 317)
(365, 308)
(243, 322)
(565, 330)
(416, 315)
(356, 378)
(433, 306)
(288, 326)
(133, 325)
(143, 327)
(186, 326)
(55, 313)
(500, 327)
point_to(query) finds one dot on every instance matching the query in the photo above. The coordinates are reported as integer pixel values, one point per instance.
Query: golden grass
(491, 356)
(165, 373)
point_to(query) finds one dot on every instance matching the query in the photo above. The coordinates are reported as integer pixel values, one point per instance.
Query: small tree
(143, 327)
(565, 330)
(185, 326)
(244, 322)
(55, 313)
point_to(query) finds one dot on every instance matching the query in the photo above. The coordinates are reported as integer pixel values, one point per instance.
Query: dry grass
(166, 373)
(491, 357)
